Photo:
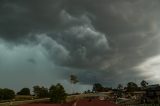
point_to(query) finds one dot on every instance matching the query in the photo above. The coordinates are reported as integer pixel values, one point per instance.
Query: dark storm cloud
(20, 18)
(103, 38)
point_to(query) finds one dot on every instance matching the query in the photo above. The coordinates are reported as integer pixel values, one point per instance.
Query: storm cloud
(106, 41)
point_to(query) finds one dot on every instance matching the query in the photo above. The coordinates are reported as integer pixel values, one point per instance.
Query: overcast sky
(42, 42)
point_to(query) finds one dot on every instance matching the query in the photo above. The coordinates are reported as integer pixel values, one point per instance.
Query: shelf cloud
(106, 41)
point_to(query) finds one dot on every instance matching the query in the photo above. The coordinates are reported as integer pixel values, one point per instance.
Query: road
(84, 102)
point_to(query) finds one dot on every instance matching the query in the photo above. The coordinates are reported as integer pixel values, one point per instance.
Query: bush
(24, 91)
(6, 94)
(57, 94)
(40, 92)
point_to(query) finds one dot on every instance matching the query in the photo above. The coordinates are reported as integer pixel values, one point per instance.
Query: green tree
(131, 87)
(36, 90)
(97, 87)
(6, 94)
(144, 84)
(57, 93)
(43, 92)
(40, 92)
(73, 80)
(1, 94)
(24, 91)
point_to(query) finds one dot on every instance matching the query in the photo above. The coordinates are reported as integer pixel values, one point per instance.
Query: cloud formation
(99, 41)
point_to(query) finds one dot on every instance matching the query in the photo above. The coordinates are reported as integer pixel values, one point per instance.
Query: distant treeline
(130, 87)
(56, 93)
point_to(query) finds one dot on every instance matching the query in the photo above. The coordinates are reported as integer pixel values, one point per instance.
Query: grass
(23, 97)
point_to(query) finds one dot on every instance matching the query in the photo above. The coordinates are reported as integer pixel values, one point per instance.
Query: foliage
(131, 87)
(97, 87)
(120, 86)
(86, 92)
(6, 94)
(144, 84)
(40, 92)
(73, 79)
(43, 92)
(36, 90)
(57, 93)
(24, 91)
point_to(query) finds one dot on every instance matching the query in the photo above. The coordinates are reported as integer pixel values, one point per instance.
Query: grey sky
(107, 41)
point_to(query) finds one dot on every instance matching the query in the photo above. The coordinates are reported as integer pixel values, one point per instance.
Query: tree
(119, 90)
(73, 80)
(57, 93)
(24, 91)
(43, 92)
(36, 90)
(1, 94)
(144, 84)
(6, 94)
(40, 92)
(97, 87)
(86, 92)
(120, 86)
(131, 86)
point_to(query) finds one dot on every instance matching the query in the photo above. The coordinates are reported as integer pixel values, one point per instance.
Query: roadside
(14, 103)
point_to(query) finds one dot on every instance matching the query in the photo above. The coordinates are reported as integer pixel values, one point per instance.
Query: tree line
(56, 93)
(130, 87)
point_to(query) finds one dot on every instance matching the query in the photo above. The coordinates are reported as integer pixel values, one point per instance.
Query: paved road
(84, 102)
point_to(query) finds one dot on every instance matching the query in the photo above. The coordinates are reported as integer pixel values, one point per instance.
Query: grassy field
(31, 99)
(23, 97)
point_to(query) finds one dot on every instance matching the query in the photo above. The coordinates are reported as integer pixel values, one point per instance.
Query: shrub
(24, 91)
(57, 93)
(40, 92)
(6, 94)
